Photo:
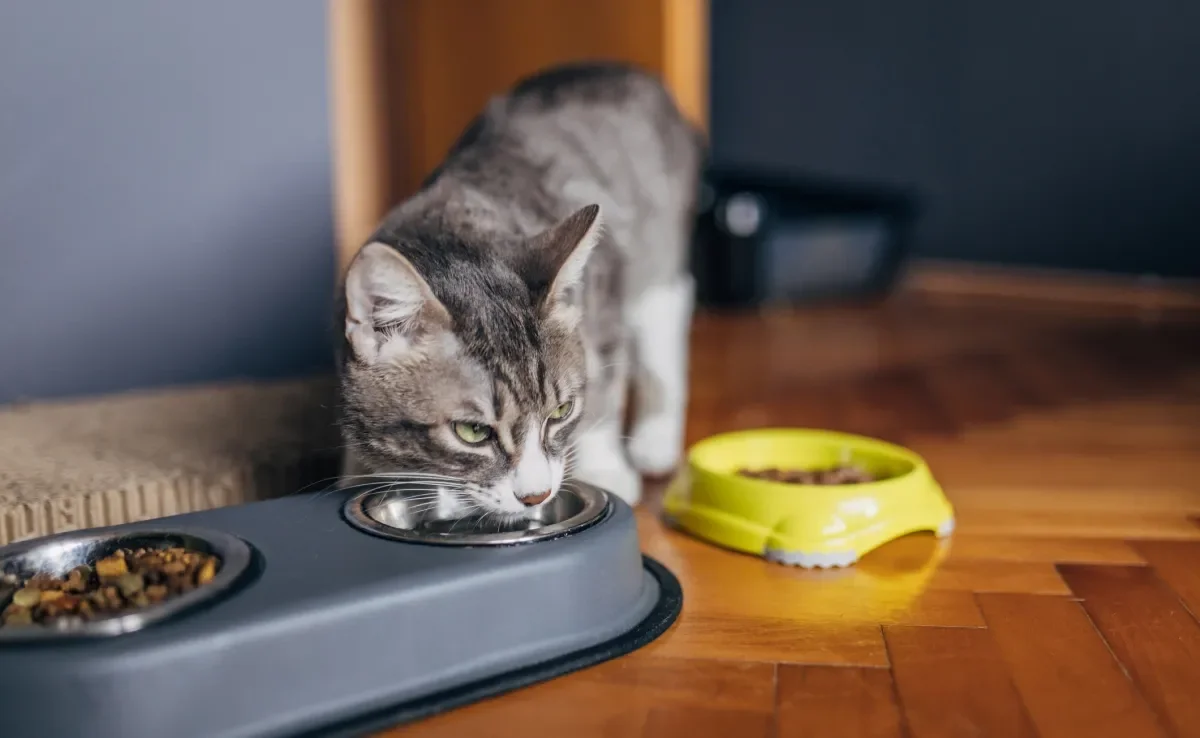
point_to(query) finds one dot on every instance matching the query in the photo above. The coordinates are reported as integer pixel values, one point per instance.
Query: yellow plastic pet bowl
(804, 525)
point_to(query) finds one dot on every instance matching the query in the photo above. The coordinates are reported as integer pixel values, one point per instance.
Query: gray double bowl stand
(323, 623)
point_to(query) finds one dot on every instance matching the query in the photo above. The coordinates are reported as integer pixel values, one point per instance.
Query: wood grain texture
(360, 123)
(1178, 564)
(827, 702)
(689, 722)
(929, 666)
(1068, 678)
(1072, 576)
(1152, 634)
(1009, 284)
(735, 638)
(1073, 550)
(615, 699)
(717, 684)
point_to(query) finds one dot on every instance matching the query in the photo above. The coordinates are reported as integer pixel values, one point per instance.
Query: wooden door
(408, 75)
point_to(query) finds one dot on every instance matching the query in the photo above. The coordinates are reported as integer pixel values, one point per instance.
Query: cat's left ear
(561, 253)
(390, 308)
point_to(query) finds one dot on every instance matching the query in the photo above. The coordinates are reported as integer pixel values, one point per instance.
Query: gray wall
(1047, 132)
(165, 211)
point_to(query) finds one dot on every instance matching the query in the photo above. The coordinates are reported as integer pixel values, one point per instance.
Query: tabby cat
(494, 320)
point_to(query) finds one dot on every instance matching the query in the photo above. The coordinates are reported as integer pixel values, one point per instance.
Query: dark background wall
(1059, 133)
(165, 207)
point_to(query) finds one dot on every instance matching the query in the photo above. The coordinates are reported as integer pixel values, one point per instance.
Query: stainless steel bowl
(60, 554)
(392, 515)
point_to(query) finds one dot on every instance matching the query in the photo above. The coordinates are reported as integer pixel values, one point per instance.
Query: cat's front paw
(613, 475)
(656, 445)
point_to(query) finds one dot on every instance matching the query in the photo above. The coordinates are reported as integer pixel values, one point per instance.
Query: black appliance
(765, 238)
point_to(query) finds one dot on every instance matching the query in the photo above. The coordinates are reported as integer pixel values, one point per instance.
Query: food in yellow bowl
(805, 497)
(840, 474)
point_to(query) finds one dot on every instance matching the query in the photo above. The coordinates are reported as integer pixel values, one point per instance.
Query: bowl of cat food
(805, 497)
(96, 584)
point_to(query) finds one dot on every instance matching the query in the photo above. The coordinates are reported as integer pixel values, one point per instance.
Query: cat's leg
(660, 318)
(599, 459)
(598, 455)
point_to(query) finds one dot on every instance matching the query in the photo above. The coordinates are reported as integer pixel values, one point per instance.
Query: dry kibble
(130, 584)
(41, 581)
(113, 566)
(207, 572)
(836, 475)
(77, 580)
(27, 597)
(126, 580)
(112, 598)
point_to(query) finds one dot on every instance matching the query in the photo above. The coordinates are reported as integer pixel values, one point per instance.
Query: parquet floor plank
(1064, 671)
(729, 637)
(929, 666)
(703, 722)
(1081, 524)
(837, 702)
(1053, 550)
(612, 699)
(1178, 564)
(1151, 633)
(735, 686)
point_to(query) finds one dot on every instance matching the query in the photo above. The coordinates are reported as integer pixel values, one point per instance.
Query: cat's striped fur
(543, 264)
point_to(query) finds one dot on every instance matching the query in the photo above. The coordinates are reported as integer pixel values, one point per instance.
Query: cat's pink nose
(531, 500)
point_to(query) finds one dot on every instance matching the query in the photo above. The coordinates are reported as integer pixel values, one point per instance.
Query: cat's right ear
(559, 257)
(389, 306)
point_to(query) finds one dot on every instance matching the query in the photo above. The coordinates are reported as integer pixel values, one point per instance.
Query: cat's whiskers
(338, 490)
(463, 515)
(419, 485)
(343, 446)
(401, 486)
(423, 507)
(405, 475)
(606, 367)
(429, 500)
(479, 523)
(376, 478)
(424, 495)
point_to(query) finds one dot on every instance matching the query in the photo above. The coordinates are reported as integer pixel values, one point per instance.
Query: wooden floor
(1066, 603)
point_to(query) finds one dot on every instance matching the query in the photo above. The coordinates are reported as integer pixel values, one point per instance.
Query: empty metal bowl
(391, 514)
(59, 554)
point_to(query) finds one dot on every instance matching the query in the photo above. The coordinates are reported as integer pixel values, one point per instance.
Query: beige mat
(117, 459)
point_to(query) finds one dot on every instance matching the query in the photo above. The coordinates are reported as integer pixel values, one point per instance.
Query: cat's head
(467, 363)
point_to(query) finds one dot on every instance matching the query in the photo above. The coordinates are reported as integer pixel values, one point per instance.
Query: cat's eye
(472, 433)
(562, 410)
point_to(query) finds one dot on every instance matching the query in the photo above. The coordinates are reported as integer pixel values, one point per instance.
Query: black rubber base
(670, 602)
